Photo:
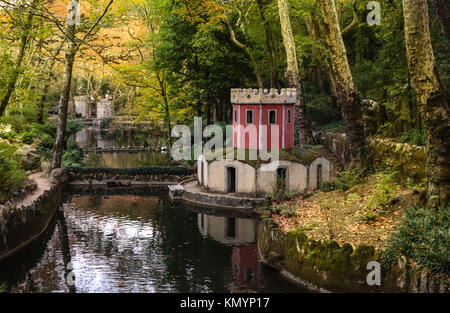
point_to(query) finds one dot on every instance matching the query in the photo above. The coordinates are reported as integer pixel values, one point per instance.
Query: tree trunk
(64, 104)
(247, 53)
(12, 82)
(292, 71)
(443, 11)
(432, 98)
(348, 98)
(41, 104)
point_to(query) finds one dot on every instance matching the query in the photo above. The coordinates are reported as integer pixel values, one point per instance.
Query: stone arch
(217, 178)
(320, 166)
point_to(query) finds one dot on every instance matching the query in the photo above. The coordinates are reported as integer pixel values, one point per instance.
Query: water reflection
(92, 139)
(143, 244)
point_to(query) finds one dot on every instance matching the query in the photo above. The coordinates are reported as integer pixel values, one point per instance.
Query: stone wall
(145, 174)
(407, 159)
(327, 266)
(262, 180)
(22, 225)
(217, 177)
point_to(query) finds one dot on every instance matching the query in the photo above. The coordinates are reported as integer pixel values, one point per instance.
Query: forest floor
(351, 216)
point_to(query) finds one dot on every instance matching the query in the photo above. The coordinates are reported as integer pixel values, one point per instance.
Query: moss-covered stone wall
(326, 265)
(22, 225)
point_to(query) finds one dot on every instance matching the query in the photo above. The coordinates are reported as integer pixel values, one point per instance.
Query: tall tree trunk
(12, 82)
(432, 98)
(41, 104)
(348, 98)
(292, 71)
(64, 103)
(443, 11)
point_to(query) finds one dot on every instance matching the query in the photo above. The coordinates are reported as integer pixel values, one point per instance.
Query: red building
(263, 119)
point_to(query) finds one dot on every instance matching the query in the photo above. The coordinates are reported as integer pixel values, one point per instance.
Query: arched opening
(319, 175)
(281, 179)
(231, 179)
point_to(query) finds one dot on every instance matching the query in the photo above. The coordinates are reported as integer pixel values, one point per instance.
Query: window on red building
(249, 116)
(272, 117)
(235, 116)
(289, 118)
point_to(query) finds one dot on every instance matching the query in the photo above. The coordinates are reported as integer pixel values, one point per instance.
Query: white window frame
(268, 117)
(235, 116)
(289, 116)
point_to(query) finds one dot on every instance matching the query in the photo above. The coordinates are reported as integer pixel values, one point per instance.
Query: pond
(91, 139)
(141, 243)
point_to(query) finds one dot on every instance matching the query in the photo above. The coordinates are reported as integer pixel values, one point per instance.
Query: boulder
(29, 157)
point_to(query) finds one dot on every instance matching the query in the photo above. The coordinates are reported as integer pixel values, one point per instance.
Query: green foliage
(423, 236)
(7, 132)
(12, 177)
(283, 209)
(27, 138)
(414, 136)
(93, 160)
(3, 288)
(385, 191)
(45, 146)
(346, 180)
(144, 171)
(73, 126)
(282, 195)
(73, 155)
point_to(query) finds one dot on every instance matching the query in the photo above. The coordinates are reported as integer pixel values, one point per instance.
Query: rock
(30, 158)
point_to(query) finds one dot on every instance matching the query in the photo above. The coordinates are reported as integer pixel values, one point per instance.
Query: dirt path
(43, 184)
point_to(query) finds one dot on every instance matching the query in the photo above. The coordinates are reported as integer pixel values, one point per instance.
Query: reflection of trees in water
(41, 267)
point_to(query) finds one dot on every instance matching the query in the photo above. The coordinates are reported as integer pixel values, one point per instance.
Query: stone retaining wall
(407, 159)
(325, 265)
(132, 175)
(22, 225)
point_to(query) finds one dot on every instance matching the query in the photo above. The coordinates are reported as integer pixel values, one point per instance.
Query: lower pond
(135, 243)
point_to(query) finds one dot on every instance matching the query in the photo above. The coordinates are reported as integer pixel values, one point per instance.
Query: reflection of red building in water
(246, 268)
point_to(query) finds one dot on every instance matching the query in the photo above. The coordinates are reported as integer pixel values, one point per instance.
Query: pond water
(90, 138)
(135, 243)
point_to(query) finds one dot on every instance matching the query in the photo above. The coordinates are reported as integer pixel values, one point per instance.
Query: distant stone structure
(105, 109)
(82, 106)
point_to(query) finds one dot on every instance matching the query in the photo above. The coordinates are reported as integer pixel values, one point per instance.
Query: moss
(303, 156)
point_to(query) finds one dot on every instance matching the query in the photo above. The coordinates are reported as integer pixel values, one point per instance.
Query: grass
(304, 156)
(424, 237)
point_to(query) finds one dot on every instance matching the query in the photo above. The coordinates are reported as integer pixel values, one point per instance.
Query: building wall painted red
(258, 137)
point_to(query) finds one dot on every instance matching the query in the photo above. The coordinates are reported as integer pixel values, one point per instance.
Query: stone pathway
(43, 184)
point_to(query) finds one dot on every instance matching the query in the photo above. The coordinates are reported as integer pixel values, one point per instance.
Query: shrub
(346, 180)
(423, 236)
(282, 195)
(7, 132)
(414, 136)
(12, 177)
(45, 147)
(73, 155)
(144, 171)
(27, 138)
(283, 209)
